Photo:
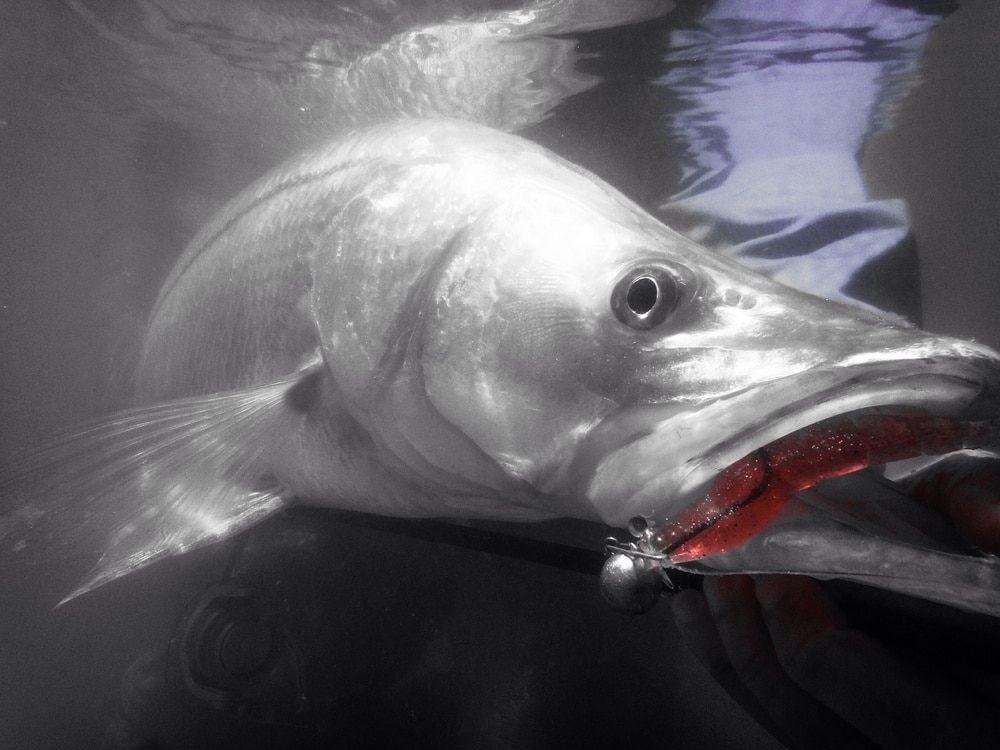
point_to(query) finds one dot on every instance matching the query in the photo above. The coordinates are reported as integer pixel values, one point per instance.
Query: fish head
(560, 349)
(600, 357)
(617, 368)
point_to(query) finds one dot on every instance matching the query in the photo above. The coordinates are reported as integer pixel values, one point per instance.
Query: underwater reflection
(293, 74)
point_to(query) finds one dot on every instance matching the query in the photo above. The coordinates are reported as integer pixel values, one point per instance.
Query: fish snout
(970, 363)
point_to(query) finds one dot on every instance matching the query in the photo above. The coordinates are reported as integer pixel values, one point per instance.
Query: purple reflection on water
(772, 103)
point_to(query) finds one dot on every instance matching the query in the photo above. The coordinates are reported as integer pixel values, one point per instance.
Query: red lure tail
(750, 492)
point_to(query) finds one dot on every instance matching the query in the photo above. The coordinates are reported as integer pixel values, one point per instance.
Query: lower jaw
(747, 495)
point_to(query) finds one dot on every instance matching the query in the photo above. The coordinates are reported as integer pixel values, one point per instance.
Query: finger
(889, 700)
(741, 629)
(694, 622)
(967, 490)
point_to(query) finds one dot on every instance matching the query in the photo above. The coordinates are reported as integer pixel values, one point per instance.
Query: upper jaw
(672, 459)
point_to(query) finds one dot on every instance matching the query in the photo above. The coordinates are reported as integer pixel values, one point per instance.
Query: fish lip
(953, 386)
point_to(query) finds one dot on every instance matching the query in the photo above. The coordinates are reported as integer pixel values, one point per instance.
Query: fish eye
(645, 297)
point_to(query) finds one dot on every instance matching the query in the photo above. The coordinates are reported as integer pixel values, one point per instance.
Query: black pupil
(642, 295)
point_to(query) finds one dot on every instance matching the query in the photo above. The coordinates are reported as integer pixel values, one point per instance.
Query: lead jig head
(631, 580)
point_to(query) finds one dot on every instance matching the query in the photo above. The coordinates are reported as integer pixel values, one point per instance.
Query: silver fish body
(432, 318)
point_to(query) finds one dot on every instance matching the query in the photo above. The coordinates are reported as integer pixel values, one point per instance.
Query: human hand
(966, 490)
(781, 644)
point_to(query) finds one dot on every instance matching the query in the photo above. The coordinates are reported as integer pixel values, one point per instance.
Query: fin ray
(148, 482)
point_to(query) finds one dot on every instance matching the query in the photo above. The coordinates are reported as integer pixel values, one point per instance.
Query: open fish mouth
(759, 501)
(750, 492)
(666, 457)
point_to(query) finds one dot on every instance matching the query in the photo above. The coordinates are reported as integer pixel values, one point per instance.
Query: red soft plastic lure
(749, 493)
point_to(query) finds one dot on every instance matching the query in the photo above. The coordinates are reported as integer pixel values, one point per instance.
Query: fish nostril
(734, 298)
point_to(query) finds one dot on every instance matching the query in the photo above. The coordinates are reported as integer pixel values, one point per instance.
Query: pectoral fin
(149, 482)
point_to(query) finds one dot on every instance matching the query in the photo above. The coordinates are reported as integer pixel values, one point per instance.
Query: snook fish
(432, 318)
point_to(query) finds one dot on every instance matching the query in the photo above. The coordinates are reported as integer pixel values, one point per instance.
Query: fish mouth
(673, 454)
(850, 526)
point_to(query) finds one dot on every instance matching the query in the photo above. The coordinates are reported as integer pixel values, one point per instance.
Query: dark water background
(123, 127)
